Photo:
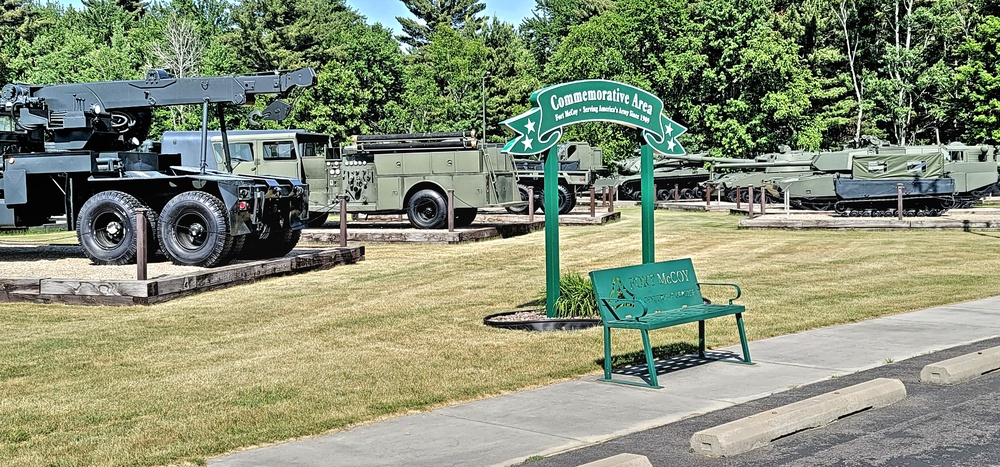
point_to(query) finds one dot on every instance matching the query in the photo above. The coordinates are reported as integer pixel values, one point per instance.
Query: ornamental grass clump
(576, 298)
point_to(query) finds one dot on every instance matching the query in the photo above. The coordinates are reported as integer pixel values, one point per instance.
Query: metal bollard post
(750, 211)
(708, 195)
(531, 204)
(899, 200)
(593, 203)
(787, 203)
(604, 196)
(677, 192)
(763, 200)
(738, 193)
(343, 220)
(451, 210)
(719, 195)
(612, 194)
(140, 244)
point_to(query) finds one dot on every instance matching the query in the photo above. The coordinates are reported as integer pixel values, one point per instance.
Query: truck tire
(317, 220)
(566, 200)
(280, 240)
(465, 216)
(427, 209)
(194, 230)
(106, 228)
(523, 190)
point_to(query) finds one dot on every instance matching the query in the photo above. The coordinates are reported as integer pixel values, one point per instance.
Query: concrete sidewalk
(508, 429)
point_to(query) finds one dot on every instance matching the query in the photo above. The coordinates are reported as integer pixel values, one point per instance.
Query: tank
(864, 182)
(764, 169)
(675, 176)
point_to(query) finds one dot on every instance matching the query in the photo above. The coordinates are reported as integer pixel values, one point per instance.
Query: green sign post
(539, 129)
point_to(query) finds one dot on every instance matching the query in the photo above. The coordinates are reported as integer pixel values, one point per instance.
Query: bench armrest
(739, 292)
(610, 302)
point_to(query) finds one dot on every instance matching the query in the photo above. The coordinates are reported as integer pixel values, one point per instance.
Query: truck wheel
(194, 230)
(280, 240)
(523, 190)
(570, 195)
(107, 231)
(427, 209)
(566, 201)
(317, 220)
(465, 216)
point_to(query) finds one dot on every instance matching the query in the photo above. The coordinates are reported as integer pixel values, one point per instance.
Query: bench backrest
(665, 285)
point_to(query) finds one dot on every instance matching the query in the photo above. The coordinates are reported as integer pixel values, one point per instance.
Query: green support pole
(648, 201)
(551, 203)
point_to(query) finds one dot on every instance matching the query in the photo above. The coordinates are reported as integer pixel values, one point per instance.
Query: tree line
(745, 76)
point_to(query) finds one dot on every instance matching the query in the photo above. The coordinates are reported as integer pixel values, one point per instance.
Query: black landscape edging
(552, 324)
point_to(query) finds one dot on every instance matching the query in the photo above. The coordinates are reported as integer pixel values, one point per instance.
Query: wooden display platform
(698, 205)
(402, 232)
(147, 292)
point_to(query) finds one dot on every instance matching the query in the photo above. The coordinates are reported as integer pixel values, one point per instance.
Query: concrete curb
(757, 430)
(961, 369)
(621, 460)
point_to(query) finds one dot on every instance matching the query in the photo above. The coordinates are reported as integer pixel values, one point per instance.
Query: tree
(431, 13)
(551, 20)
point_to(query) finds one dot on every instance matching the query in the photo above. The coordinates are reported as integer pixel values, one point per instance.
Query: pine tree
(457, 13)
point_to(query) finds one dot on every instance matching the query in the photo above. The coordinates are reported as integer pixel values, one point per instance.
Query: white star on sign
(670, 145)
(530, 126)
(527, 143)
(670, 129)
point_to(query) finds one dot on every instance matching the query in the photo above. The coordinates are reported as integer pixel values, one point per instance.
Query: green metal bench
(654, 296)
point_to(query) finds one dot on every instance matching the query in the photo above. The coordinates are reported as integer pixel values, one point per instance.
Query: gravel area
(69, 262)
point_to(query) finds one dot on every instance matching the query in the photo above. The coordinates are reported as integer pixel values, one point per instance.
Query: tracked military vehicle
(763, 169)
(675, 176)
(580, 165)
(73, 150)
(864, 181)
(379, 174)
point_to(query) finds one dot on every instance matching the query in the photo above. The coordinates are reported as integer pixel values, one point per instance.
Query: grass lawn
(402, 331)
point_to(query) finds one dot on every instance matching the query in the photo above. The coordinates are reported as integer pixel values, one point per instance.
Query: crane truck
(74, 150)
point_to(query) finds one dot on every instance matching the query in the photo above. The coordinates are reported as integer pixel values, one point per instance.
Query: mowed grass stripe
(402, 331)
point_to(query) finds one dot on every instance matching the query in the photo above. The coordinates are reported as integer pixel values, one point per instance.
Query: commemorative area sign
(592, 100)
(538, 131)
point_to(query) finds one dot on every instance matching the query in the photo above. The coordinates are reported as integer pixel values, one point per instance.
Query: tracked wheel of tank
(913, 206)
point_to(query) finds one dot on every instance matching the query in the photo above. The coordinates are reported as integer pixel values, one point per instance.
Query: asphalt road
(934, 426)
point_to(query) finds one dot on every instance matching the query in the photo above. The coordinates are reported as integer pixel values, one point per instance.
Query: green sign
(593, 100)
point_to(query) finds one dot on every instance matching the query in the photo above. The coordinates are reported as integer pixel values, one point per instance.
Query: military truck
(73, 150)
(379, 174)
(580, 165)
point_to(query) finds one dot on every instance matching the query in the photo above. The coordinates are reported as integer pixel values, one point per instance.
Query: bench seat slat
(665, 318)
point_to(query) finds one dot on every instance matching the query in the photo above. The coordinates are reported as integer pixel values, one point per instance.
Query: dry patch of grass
(402, 331)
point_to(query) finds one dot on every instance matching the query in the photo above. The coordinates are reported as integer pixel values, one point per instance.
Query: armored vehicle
(864, 181)
(580, 165)
(675, 176)
(73, 150)
(379, 174)
(761, 170)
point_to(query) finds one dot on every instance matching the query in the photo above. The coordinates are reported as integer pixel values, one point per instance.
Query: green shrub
(576, 298)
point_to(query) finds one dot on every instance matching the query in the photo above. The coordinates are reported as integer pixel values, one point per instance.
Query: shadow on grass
(967, 228)
(667, 359)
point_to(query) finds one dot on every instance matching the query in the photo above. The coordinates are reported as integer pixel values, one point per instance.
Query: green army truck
(379, 174)
(580, 165)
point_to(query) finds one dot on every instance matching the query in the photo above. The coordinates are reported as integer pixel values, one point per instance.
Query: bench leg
(701, 338)
(607, 353)
(649, 358)
(743, 338)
